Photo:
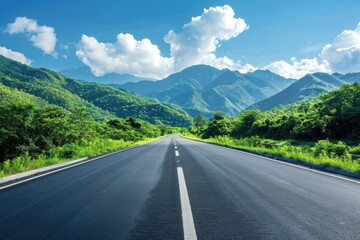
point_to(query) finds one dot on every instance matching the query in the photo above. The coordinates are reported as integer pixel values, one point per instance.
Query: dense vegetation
(324, 124)
(101, 101)
(53, 134)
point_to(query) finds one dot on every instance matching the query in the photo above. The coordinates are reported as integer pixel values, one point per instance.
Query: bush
(68, 151)
(327, 149)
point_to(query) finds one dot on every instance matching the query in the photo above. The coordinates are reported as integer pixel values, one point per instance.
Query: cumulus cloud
(127, 55)
(42, 37)
(16, 56)
(343, 54)
(196, 43)
(299, 68)
(247, 68)
(200, 38)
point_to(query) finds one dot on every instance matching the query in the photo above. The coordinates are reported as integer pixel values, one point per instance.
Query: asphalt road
(135, 194)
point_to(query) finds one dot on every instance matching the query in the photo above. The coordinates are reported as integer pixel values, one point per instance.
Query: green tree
(244, 123)
(218, 125)
(15, 129)
(199, 121)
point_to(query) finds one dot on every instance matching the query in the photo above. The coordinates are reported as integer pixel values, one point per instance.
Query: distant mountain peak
(84, 73)
(204, 89)
(309, 86)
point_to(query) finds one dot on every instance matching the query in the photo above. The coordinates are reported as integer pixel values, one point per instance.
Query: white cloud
(298, 68)
(195, 44)
(16, 56)
(127, 55)
(42, 37)
(200, 38)
(247, 68)
(343, 54)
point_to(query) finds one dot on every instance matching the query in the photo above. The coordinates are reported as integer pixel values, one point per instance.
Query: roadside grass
(66, 153)
(355, 150)
(307, 152)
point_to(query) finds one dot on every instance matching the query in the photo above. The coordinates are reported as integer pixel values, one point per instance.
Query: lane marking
(177, 153)
(289, 164)
(74, 165)
(175, 147)
(301, 167)
(187, 217)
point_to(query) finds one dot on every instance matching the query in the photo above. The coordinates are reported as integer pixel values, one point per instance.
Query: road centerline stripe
(177, 153)
(187, 217)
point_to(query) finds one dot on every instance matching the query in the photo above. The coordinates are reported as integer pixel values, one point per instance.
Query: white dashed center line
(187, 217)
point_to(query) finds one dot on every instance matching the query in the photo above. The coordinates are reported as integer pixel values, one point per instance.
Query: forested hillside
(101, 101)
(310, 86)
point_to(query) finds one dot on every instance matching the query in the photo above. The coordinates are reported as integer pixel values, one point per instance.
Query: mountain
(84, 73)
(202, 89)
(310, 86)
(42, 86)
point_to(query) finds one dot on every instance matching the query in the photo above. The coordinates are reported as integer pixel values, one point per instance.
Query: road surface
(176, 188)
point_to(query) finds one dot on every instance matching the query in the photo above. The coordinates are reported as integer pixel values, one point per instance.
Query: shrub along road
(225, 194)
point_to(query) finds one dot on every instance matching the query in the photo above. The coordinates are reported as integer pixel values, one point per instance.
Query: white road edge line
(187, 217)
(176, 153)
(291, 164)
(55, 171)
(71, 166)
(305, 168)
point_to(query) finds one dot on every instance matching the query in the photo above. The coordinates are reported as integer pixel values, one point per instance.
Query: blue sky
(276, 32)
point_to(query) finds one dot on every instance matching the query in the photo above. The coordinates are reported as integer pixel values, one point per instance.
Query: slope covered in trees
(101, 101)
(310, 86)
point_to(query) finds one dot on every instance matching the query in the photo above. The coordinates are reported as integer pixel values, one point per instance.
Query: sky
(156, 38)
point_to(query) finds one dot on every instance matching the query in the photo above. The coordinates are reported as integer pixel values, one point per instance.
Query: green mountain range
(202, 89)
(310, 86)
(23, 83)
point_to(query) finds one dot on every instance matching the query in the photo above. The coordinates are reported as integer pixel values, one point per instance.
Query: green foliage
(199, 121)
(218, 125)
(244, 123)
(334, 115)
(331, 150)
(32, 131)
